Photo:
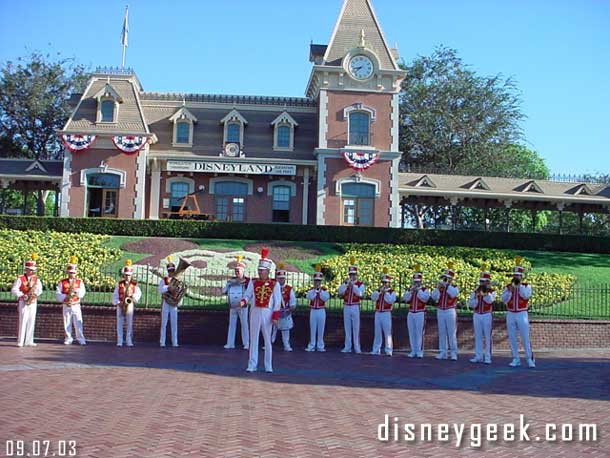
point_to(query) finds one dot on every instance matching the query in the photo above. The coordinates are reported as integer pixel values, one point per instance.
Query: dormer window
(234, 124)
(108, 100)
(184, 122)
(283, 137)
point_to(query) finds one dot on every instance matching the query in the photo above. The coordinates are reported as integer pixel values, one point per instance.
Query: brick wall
(209, 327)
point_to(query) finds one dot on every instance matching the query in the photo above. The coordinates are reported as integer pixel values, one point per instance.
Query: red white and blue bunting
(129, 144)
(360, 160)
(77, 143)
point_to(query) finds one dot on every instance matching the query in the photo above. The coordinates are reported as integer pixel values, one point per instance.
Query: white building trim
(291, 184)
(321, 192)
(358, 179)
(395, 122)
(121, 173)
(139, 212)
(323, 119)
(305, 194)
(155, 191)
(229, 178)
(394, 195)
(66, 184)
(179, 179)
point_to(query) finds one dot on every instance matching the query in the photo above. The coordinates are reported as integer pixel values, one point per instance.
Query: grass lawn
(589, 268)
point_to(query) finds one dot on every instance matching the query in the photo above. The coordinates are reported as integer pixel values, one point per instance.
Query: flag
(125, 27)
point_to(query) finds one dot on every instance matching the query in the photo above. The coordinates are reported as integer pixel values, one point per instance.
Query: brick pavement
(198, 401)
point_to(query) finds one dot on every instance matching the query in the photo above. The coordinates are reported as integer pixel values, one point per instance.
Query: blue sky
(558, 51)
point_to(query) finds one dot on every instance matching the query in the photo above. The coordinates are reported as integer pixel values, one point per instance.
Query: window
(178, 190)
(231, 200)
(233, 133)
(358, 203)
(359, 123)
(283, 136)
(230, 188)
(281, 204)
(222, 208)
(183, 132)
(102, 195)
(107, 111)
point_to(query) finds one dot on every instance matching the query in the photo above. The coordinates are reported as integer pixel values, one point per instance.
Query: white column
(65, 184)
(320, 189)
(155, 191)
(138, 212)
(305, 193)
(323, 120)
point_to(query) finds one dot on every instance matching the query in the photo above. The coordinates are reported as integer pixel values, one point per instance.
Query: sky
(557, 51)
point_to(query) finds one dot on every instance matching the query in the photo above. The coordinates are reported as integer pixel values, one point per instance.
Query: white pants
(317, 322)
(446, 320)
(351, 323)
(383, 324)
(518, 323)
(27, 322)
(482, 332)
(240, 313)
(119, 325)
(172, 313)
(73, 314)
(285, 336)
(260, 321)
(415, 326)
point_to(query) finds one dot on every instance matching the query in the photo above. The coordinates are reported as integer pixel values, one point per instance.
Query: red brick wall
(381, 129)
(114, 159)
(337, 169)
(208, 327)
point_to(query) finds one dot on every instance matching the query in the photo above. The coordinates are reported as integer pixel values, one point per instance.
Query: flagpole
(124, 35)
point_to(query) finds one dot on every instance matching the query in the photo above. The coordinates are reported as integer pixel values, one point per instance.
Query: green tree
(34, 103)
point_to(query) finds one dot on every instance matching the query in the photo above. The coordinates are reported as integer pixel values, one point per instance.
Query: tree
(34, 104)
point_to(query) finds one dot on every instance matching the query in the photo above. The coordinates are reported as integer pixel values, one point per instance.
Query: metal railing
(205, 291)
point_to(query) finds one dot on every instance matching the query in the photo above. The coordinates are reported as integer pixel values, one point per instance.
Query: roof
(502, 188)
(356, 16)
(230, 99)
(32, 168)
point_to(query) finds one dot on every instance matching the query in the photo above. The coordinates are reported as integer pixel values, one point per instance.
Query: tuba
(177, 288)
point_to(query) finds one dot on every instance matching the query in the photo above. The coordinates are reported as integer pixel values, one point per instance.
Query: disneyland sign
(231, 167)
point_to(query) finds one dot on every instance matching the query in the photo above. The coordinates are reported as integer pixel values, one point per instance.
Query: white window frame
(104, 94)
(183, 115)
(356, 179)
(283, 120)
(178, 179)
(215, 180)
(121, 173)
(115, 111)
(291, 184)
(234, 116)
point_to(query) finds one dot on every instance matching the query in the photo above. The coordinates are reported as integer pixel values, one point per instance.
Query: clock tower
(356, 83)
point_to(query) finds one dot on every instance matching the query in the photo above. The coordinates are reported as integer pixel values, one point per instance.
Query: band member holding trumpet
(69, 292)
(445, 296)
(384, 298)
(317, 297)
(235, 290)
(516, 296)
(417, 297)
(27, 288)
(265, 296)
(351, 290)
(288, 305)
(126, 294)
(481, 301)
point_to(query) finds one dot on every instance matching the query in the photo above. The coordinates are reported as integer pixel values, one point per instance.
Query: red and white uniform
(446, 299)
(416, 319)
(383, 320)
(265, 298)
(482, 318)
(235, 290)
(288, 305)
(317, 297)
(27, 313)
(72, 311)
(517, 299)
(351, 293)
(122, 290)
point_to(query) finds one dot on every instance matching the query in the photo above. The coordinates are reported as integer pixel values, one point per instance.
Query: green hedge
(204, 229)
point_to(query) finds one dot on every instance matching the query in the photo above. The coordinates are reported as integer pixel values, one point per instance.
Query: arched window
(183, 132)
(281, 204)
(178, 190)
(233, 132)
(102, 195)
(358, 203)
(107, 110)
(359, 128)
(230, 200)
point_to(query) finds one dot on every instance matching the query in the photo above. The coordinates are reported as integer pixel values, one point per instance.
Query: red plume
(264, 253)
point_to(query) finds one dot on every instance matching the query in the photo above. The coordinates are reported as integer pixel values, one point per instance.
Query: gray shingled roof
(230, 99)
(18, 167)
(355, 16)
(505, 188)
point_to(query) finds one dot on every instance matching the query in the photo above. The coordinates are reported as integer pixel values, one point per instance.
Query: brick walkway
(199, 401)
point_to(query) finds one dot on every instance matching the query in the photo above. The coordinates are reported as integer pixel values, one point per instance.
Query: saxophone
(128, 301)
(71, 293)
(30, 296)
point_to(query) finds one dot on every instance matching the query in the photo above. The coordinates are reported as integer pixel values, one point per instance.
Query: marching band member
(384, 299)
(516, 296)
(417, 297)
(235, 290)
(265, 296)
(351, 290)
(287, 306)
(27, 288)
(445, 296)
(481, 301)
(317, 297)
(69, 292)
(170, 307)
(126, 294)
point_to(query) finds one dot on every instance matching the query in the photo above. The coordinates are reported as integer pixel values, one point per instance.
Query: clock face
(361, 67)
